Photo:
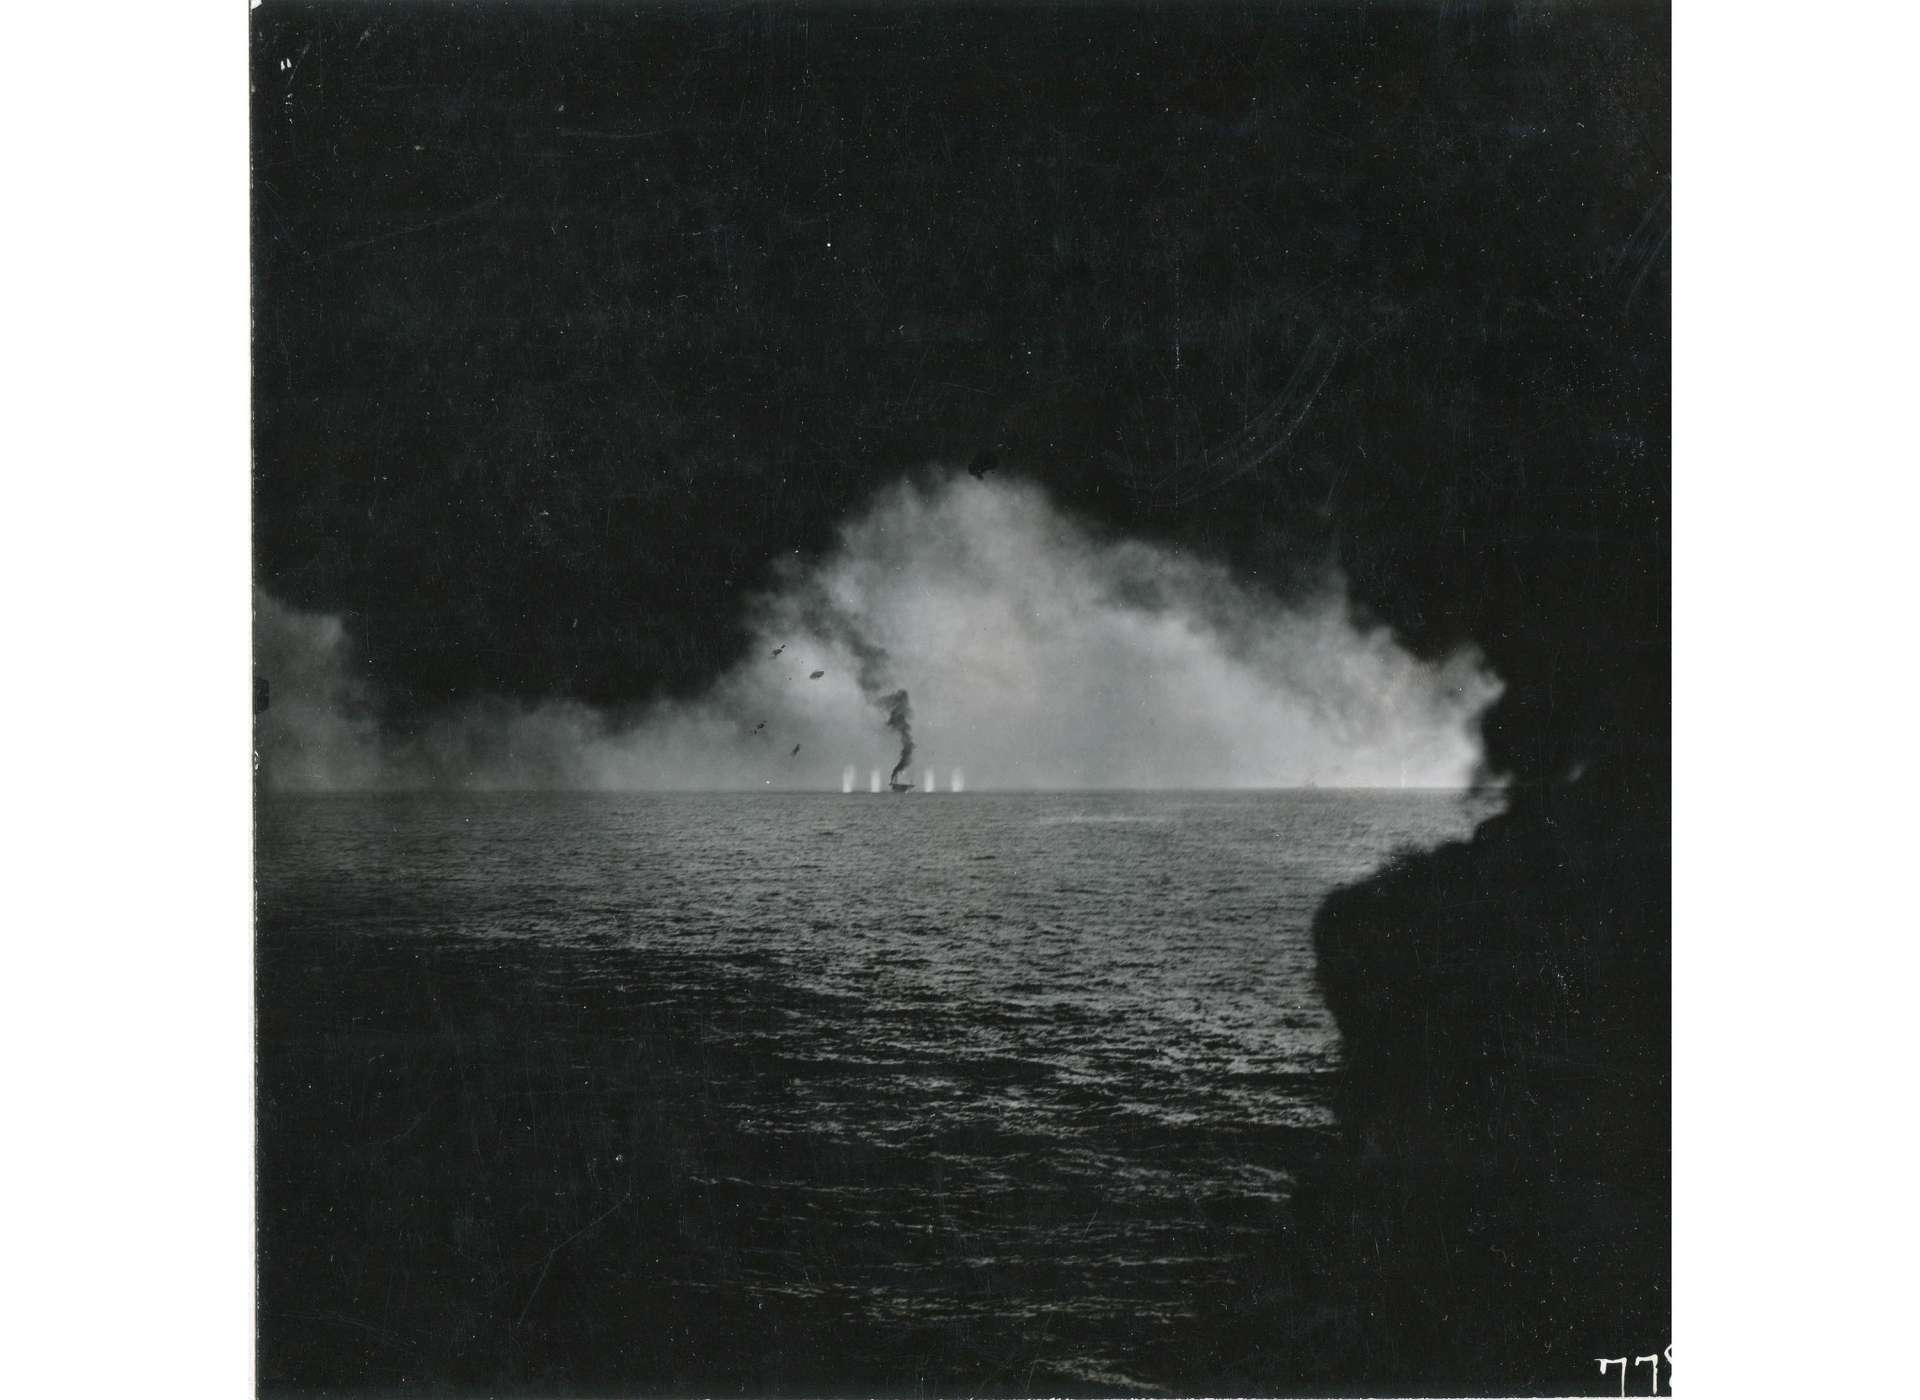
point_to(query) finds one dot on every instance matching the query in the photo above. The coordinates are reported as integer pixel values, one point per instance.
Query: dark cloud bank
(572, 327)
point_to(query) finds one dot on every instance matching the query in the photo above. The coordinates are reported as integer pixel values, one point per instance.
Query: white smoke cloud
(1037, 655)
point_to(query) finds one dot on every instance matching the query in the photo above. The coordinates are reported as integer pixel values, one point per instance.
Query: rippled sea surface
(786, 1093)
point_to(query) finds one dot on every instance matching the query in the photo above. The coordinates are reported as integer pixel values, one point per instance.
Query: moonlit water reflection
(997, 1061)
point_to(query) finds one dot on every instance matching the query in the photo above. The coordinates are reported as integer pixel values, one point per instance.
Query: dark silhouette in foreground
(1505, 1005)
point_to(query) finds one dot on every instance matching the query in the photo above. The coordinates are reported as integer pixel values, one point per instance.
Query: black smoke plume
(900, 720)
(821, 612)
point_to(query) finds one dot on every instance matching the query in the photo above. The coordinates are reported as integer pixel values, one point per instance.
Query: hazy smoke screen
(1039, 655)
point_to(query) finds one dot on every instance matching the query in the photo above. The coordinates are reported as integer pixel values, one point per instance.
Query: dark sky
(570, 321)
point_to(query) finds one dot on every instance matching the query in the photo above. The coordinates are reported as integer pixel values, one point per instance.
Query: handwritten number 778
(1651, 1362)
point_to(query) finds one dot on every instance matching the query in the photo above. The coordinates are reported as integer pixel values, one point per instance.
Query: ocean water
(793, 1093)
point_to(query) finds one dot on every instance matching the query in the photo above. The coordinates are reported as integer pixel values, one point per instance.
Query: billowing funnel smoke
(1058, 657)
(900, 719)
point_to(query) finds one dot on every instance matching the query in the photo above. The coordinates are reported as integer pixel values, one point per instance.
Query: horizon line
(971, 790)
